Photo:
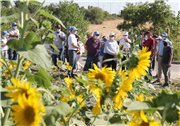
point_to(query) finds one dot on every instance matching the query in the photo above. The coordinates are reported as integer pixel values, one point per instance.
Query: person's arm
(128, 41)
(78, 38)
(62, 38)
(153, 45)
(3, 45)
(141, 42)
(14, 35)
(170, 59)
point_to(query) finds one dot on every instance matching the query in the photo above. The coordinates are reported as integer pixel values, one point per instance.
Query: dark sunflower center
(100, 76)
(24, 91)
(144, 124)
(29, 114)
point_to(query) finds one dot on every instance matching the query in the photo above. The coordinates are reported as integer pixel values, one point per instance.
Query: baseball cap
(140, 36)
(164, 34)
(14, 23)
(125, 33)
(155, 36)
(159, 37)
(69, 28)
(5, 33)
(111, 34)
(74, 28)
(105, 38)
(58, 26)
(148, 32)
(165, 40)
(96, 33)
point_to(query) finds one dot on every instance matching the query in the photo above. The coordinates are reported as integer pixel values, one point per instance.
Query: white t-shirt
(82, 47)
(59, 42)
(4, 41)
(111, 47)
(72, 39)
(12, 31)
(126, 45)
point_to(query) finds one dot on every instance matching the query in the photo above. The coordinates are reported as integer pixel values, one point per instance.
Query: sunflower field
(94, 98)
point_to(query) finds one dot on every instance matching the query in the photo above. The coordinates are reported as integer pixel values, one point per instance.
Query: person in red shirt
(150, 44)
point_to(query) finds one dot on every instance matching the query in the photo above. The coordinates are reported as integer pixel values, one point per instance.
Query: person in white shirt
(79, 54)
(60, 37)
(111, 48)
(3, 43)
(72, 50)
(126, 43)
(13, 34)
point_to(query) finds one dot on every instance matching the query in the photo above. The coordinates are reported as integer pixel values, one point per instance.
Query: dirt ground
(107, 27)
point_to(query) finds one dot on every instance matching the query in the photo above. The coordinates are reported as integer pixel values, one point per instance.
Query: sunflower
(105, 75)
(20, 88)
(10, 67)
(69, 83)
(97, 108)
(28, 111)
(7, 73)
(69, 68)
(13, 64)
(121, 46)
(54, 68)
(124, 88)
(141, 97)
(144, 121)
(66, 64)
(2, 62)
(139, 63)
(65, 119)
(27, 65)
(59, 62)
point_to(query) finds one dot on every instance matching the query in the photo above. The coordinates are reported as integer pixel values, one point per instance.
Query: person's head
(125, 35)
(159, 39)
(14, 25)
(96, 35)
(111, 36)
(89, 35)
(58, 28)
(155, 37)
(69, 29)
(4, 34)
(166, 42)
(105, 39)
(74, 30)
(164, 35)
(147, 35)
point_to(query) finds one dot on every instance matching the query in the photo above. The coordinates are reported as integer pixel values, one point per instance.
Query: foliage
(136, 15)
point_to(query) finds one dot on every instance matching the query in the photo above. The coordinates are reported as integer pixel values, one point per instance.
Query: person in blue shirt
(101, 52)
(160, 54)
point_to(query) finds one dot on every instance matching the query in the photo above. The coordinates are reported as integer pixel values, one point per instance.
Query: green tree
(70, 15)
(5, 4)
(136, 15)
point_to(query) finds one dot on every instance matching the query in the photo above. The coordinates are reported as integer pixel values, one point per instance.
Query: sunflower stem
(18, 67)
(65, 123)
(77, 108)
(94, 120)
(6, 116)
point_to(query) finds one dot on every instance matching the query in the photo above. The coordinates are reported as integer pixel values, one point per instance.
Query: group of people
(12, 33)
(161, 53)
(71, 48)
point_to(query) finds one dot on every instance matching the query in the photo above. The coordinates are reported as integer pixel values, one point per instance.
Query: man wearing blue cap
(66, 44)
(72, 50)
(160, 54)
(14, 34)
(92, 47)
(3, 43)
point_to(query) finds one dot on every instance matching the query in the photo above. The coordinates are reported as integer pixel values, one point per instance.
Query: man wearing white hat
(111, 48)
(126, 45)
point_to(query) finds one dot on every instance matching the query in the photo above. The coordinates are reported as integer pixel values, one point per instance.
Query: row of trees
(135, 16)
